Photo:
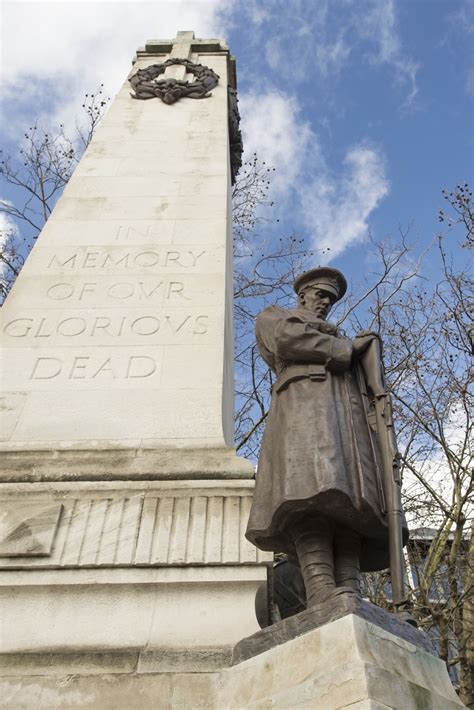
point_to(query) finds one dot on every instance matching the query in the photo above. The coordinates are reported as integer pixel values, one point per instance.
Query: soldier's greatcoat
(319, 454)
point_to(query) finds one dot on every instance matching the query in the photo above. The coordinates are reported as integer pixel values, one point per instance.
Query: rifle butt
(396, 556)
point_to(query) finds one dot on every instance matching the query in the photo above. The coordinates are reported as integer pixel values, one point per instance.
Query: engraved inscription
(113, 326)
(125, 232)
(119, 291)
(98, 259)
(83, 367)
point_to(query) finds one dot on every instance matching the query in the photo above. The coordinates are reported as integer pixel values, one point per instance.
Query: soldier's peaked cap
(328, 279)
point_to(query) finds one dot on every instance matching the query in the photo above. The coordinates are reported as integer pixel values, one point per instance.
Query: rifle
(373, 369)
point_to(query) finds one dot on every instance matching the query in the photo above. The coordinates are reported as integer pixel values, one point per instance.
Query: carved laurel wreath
(146, 84)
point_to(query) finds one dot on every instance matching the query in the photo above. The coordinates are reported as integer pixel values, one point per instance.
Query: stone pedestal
(123, 504)
(349, 663)
(109, 567)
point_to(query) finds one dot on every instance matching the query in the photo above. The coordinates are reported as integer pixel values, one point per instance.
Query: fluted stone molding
(168, 523)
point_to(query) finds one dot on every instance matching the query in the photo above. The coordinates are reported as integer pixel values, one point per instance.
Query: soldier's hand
(361, 343)
(364, 333)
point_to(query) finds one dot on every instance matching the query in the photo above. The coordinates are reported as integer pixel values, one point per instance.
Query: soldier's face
(317, 301)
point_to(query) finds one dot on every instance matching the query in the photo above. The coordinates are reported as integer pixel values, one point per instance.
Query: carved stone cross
(182, 47)
(185, 43)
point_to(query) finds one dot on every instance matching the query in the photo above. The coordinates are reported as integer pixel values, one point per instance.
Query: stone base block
(350, 663)
(322, 614)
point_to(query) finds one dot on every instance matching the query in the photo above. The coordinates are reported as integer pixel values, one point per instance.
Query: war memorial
(133, 540)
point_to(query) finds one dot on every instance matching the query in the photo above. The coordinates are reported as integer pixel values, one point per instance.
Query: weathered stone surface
(122, 462)
(110, 609)
(342, 664)
(107, 692)
(134, 566)
(145, 565)
(28, 529)
(157, 691)
(195, 660)
(321, 614)
(368, 705)
(164, 660)
(197, 692)
(132, 524)
(350, 664)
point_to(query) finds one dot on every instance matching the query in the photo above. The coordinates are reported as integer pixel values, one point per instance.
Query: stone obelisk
(123, 503)
(117, 336)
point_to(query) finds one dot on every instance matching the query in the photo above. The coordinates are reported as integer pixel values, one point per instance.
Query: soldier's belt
(313, 372)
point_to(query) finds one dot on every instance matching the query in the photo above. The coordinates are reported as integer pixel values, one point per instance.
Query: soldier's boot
(313, 539)
(347, 562)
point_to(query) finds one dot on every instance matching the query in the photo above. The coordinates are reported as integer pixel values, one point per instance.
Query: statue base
(349, 663)
(321, 614)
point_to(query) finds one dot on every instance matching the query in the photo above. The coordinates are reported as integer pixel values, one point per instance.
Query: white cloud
(76, 45)
(317, 41)
(338, 207)
(460, 30)
(332, 56)
(7, 225)
(257, 12)
(379, 26)
(462, 19)
(58, 40)
(326, 57)
(8, 232)
(333, 207)
(272, 128)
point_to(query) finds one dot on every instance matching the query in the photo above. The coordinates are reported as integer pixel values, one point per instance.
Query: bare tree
(460, 212)
(432, 378)
(11, 259)
(37, 174)
(427, 331)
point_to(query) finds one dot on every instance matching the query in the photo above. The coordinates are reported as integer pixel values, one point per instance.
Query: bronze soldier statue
(327, 487)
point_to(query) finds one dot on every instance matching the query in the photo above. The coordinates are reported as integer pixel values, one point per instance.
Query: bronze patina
(327, 488)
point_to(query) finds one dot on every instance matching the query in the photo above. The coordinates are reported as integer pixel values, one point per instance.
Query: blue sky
(364, 107)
